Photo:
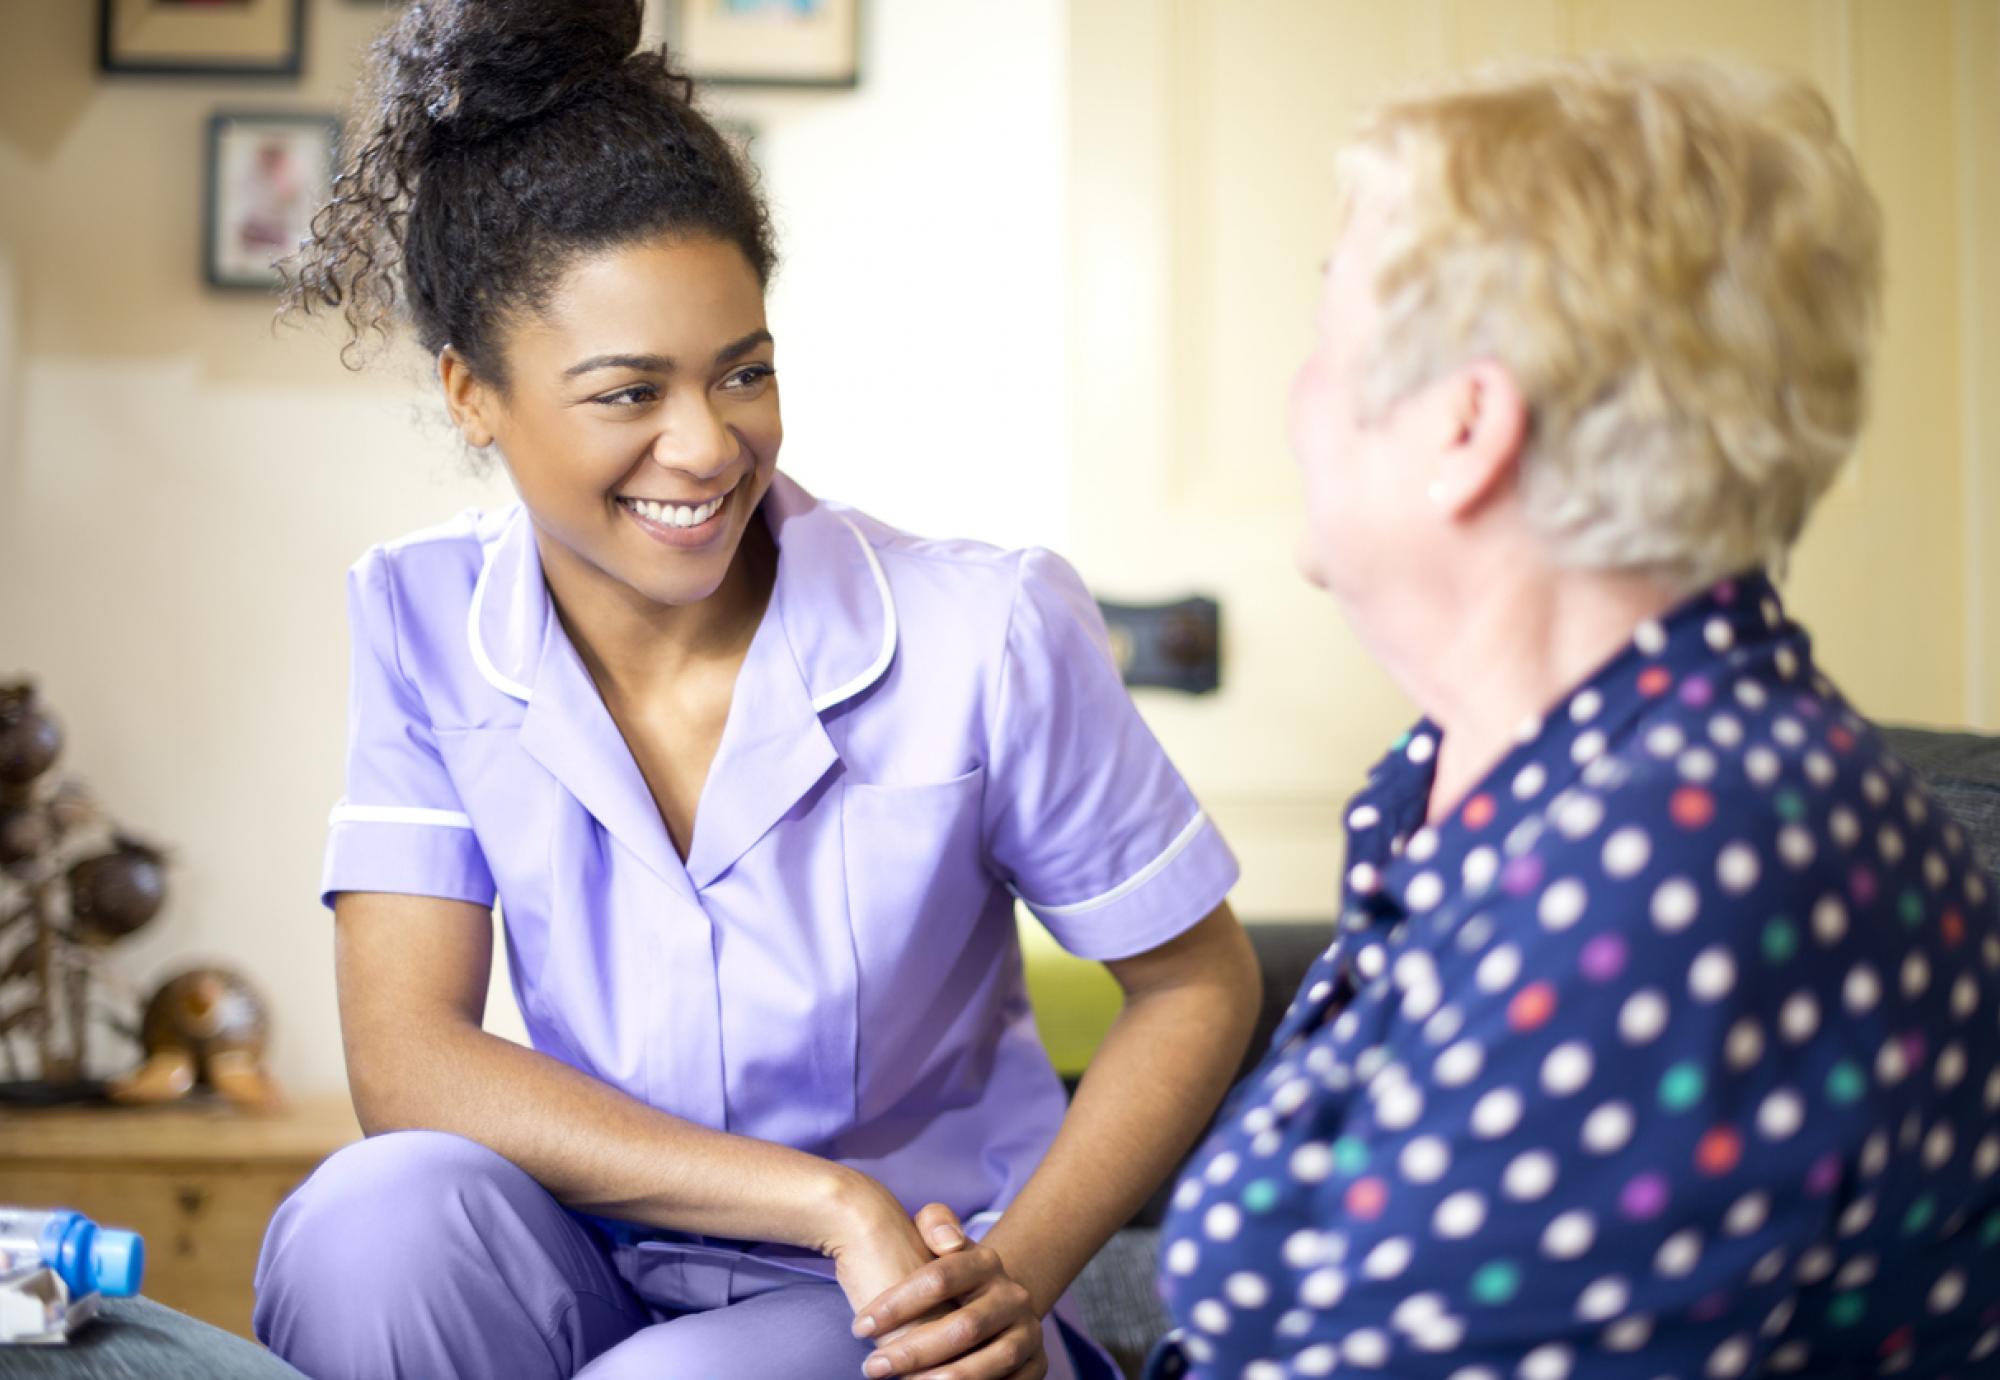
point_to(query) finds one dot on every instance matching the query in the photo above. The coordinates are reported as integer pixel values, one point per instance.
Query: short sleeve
(400, 827)
(1086, 818)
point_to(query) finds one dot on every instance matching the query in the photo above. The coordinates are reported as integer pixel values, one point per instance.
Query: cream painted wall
(181, 490)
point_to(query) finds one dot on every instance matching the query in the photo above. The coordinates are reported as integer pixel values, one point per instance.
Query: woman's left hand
(991, 1330)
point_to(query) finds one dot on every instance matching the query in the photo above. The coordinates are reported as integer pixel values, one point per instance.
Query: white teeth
(674, 514)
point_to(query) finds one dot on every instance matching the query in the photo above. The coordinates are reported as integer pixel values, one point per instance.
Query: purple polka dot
(1861, 886)
(1913, 1051)
(1824, 1176)
(1808, 707)
(1521, 875)
(1603, 958)
(1725, 593)
(1696, 691)
(1645, 1197)
(1709, 1308)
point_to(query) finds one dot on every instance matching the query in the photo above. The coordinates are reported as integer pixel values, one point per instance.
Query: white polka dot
(1588, 747)
(1363, 879)
(1563, 904)
(1400, 1107)
(1221, 1169)
(1421, 747)
(1938, 1147)
(1875, 1154)
(1769, 1266)
(1608, 1129)
(1936, 870)
(1829, 920)
(1187, 1194)
(1780, 1115)
(1761, 765)
(1425, 1160)
(1210, 1316)
(1566, 1069)
(1291, 1096)
(1726, 731)
(1365, 1347)
(1948, 1292)
(1551, 1361)
(1789, 732)
(1736, 868)
(1370, 960)
(1889, 843)
(1744, 1045)
(1856, 1218)
(1311, 1162)
(1304, 1249)
(1678, 1254)
(1815, 1265)
(1222, 1222)
(1577, 814)
(1319, 1359)
(1569, 1234)
(1874, 787)
(1482, 865)
(1628, 1334)
(1789, 1358)
(1988, 1343)
(1182, 1257)
(1665, 740)
(1263, 1370)
(1603, 1299)
(1718, 634)
(1950, 1070)
(1420, 1002)
(1197, 1347)
(1439, 1334)
(1627, 851)
(1247, 1290)
(1747, 1214)
(1916, 978)
(1496, 1113)
(1729, 1360)
(1798, 1018)
(1529, 781)
(1425, 890)
(1650, 638)
(1795, 846)
(1363, 817)
(1497, 971)
(1845, 827)
(1423, 845)
(1389, 1258)
(1529, 1176)
(1445, 1024)
(1323, 1288)
(1642, 1017)
(1712, 976)
(1676, 902)
(1857, 1273)
(1820, 769)
(1861, 990)
(1696, 764)
(1460, 1215)
(1986, 1157)
(1459, 1064)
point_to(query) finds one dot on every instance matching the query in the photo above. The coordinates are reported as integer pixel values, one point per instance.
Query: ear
(1483, 421)
(471, 402)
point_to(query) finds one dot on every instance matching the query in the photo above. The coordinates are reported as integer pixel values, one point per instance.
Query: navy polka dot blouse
(1673, 1052)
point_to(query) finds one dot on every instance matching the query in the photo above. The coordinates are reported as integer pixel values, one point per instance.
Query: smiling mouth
(676, 514)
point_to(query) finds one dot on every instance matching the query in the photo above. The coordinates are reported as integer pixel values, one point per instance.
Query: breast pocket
(933, 937)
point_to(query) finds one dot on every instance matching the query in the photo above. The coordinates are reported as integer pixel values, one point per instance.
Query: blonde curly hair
(1679, 263)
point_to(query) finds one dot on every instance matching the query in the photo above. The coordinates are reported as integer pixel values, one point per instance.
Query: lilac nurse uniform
(921, 732)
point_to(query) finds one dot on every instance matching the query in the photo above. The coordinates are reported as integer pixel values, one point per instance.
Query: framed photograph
(267, 176)
(202, 38)
(763, 42)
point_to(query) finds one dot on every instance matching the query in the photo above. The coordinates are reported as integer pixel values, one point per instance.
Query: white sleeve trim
(1132, 883)
(399, 814)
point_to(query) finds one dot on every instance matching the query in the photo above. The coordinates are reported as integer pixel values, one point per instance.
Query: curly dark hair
(506, 137)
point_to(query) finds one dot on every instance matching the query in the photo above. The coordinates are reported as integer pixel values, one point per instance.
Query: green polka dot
(1350, 1156)
(1496, 1282)
(1919, 1216)
(1846, 1309)
(1260, 1195)
(1989, 1233)
(1791, 806)
(1401, 742)
(1781, 940)
(1682, 1087)
(1910, 905)
(1846, 1083)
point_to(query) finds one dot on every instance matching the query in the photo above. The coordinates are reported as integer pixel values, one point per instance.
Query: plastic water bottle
(90, 1259)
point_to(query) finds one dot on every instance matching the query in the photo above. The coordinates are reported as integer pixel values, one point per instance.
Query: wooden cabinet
(199, 1183)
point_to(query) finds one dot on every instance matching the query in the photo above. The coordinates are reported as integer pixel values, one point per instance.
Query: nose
(694, 439)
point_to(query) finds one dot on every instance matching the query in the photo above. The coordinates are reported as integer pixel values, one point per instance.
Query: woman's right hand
(872, 1242)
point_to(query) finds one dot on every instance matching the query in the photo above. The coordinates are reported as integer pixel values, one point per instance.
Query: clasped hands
(938, 1305)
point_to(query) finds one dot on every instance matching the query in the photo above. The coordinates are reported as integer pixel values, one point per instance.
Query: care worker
(756, 781)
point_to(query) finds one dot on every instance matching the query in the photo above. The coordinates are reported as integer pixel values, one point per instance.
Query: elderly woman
(1659, 1034)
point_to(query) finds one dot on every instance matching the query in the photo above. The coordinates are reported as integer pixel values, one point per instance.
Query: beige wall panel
(1976, 42)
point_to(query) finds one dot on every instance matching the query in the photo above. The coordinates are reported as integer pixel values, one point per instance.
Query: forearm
(1150, 1088)
(594, 1148)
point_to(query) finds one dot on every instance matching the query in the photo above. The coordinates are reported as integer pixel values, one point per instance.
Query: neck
(633, 645)
(1514, 642)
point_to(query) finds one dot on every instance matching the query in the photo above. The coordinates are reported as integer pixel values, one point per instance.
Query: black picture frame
(232, 248)
(121, 53)
(703, 45)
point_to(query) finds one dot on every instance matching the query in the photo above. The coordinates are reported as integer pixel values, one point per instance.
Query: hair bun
(475, 67)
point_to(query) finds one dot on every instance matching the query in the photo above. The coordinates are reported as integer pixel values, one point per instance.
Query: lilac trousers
(424, 1255)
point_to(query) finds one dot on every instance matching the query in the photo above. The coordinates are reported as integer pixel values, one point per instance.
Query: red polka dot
(1898, 1339)
(1841, 739)
(1479, 812)
(1366, 1198)
(1532, 1006)
(1655, 680)
(1953, 925)
(1691, 807)
(1718, 1152)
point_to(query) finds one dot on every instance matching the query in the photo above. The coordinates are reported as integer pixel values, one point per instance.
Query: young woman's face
(641, 421)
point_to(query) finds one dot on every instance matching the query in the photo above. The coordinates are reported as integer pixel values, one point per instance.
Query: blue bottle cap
(117, 1262)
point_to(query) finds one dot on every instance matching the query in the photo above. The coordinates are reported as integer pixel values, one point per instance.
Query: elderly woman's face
(1357, 488)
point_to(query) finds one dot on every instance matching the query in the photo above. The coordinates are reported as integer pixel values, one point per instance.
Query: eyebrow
(664, 364)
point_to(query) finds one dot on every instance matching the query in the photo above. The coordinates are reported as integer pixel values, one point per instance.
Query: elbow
(394, 1075)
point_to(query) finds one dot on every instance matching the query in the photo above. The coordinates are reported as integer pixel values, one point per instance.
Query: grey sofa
(1116, 1290)
(139, 1338)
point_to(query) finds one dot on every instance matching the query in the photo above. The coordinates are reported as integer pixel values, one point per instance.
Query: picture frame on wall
(762, 42)
(201, 38)
(268, 173)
